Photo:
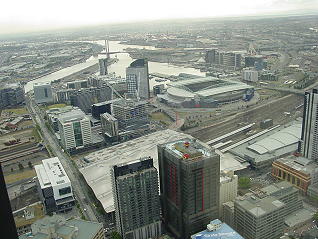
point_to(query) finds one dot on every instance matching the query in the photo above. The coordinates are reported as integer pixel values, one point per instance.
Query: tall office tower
(259, 217)
(43, 93)
(8, 228)
(75, 130)
(54, 186)
(137, 77)
(136, 197)
(228, 189)
(103, 66)
(189, 186)
(309, 134)
(11, 95)
(210, 56)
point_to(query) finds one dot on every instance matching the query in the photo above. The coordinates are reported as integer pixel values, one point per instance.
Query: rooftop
(300, 164)
(259, 206)
(188, 149)
(71, 116)
(51, 173)
(218, 230)
(64, 228)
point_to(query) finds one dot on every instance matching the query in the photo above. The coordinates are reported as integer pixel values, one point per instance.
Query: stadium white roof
(285, 137)
(218, 86)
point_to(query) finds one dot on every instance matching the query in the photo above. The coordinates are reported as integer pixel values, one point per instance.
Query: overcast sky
(26, 15)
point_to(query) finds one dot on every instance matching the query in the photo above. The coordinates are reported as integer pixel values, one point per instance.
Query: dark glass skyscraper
(136, 197)
(189, 186)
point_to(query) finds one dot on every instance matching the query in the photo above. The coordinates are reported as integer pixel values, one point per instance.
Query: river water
(119, 68)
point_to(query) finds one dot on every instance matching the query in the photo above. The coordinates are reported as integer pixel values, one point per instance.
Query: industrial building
(74, 130)
(298, 171)
(262, 149)
(11, 95)
(136, 197)
(205, 92)
(189, 186)
(43, 93)
(217, 230)
(228, 189)
(137, 77)
(54, 186)
(309, 139)
(57, 226)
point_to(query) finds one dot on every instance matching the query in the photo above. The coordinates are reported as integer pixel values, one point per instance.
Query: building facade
(54, 186)
(11, 95)
(43, 93)
(75, 130)
(110, 126)
(189, 185)
(298, 171)
(250, 75)
(137, 77)
(136, 197)
(228, 188)
(309, 134)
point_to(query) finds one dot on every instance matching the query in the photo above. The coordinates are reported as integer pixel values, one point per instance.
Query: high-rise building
(189, 186)
(309, 133)
(11, 95)
(250, 75)
(54, 186)
(85, 98)
(136, 197)
(103, 66)
(137, 77)
(75, 130)
(42, 93)
(101, 108)
(110, 127)
(8, 227)
(259, 217)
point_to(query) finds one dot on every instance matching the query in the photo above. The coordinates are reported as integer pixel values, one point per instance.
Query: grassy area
(159, 116)
(18, 111)
(55, 106)
(26, 173)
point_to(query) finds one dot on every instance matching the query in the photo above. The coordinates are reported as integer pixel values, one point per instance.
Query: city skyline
(35, 16)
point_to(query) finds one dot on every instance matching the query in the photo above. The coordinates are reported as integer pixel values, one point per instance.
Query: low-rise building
(299, 171)
(54, 186)
(58, 227)
(218, 230)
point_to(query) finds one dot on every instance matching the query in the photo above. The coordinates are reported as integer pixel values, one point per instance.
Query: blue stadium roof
(223, 231)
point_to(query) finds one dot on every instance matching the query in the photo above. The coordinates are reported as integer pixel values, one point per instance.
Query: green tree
(244, 182)
(115, 235)
(21, 167)
(30, 164)
(315, 217)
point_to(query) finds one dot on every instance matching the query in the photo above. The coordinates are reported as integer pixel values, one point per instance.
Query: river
(119, 68)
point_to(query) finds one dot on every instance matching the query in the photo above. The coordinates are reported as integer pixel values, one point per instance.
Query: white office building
(54, 186)
(309, 133)
(250, 75)
(137, 78)
(75, 130)
(228, 188)
(43, 93)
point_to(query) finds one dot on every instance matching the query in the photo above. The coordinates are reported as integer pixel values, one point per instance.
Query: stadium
(205, 92)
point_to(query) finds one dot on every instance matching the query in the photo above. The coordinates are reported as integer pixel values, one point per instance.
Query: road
(49, 139)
